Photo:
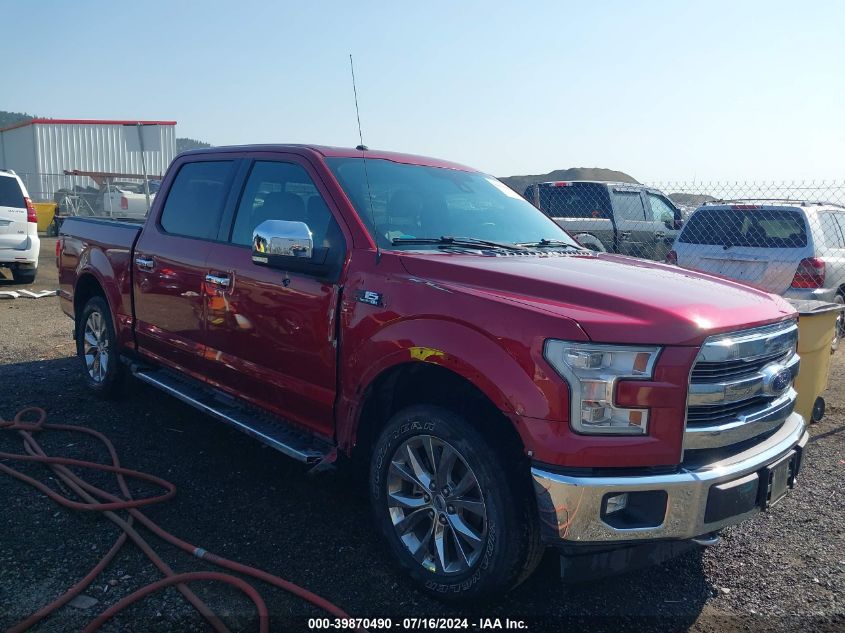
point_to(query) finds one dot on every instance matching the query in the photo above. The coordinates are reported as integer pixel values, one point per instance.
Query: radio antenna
(363, 149)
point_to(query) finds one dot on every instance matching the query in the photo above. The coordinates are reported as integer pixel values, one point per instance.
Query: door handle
(625, 235)
(660, 234)
(145, 263)
(218, 280)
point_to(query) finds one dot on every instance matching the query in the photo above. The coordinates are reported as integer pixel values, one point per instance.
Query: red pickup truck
(509, 389)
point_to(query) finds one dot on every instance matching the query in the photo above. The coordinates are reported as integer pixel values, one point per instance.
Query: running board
(263, 427)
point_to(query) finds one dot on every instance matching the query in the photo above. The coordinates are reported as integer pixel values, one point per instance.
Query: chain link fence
(91, 194)
(787, 238)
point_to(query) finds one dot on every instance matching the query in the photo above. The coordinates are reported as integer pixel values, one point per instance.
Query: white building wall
(17, 151)
(41, 152)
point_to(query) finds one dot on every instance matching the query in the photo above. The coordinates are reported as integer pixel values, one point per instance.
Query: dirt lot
(784, 570)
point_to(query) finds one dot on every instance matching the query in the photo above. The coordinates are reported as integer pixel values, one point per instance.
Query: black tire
(24, 276)
(106, 382)
(510, 549)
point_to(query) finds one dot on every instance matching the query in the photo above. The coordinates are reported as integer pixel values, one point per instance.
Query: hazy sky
(662, 90)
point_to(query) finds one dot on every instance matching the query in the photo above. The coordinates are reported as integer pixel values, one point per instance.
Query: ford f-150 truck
(508, 389)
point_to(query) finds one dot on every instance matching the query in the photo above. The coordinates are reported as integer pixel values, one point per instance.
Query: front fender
(505, 371)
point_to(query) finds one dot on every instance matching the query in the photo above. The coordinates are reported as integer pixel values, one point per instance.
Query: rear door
(760, 246)
(13, 228)
(170, 264)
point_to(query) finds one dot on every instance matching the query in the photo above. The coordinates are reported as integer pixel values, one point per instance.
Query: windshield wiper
(469, 242)
(544, 243)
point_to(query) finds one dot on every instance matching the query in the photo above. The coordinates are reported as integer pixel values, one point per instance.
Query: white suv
(19, 243)
(789, 248)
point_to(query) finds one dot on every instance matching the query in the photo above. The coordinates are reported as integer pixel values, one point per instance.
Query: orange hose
(96, 499)
(244, 586)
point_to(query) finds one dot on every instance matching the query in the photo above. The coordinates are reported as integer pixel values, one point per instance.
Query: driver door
(271, 334)
(663, 217)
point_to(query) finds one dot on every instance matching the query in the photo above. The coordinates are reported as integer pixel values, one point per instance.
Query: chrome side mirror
(289, 246)
(281, 238)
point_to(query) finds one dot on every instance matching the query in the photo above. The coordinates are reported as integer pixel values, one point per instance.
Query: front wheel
(456, 515)
(97, 349)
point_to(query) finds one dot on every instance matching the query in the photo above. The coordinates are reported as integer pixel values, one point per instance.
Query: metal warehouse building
(40, 150)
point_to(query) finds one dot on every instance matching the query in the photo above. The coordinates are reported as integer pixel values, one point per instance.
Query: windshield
(415, 201)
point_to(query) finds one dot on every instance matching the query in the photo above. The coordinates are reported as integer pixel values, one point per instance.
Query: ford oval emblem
(776, 379)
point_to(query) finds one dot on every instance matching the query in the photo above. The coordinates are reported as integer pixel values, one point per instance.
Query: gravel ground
(784, 570)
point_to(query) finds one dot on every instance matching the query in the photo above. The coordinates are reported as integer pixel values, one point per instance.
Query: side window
(285, 191)
(195, 200)
(833, 227)
(628, 205)
(659, 207)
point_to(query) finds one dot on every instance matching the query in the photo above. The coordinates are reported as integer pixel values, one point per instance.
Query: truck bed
(102, 249)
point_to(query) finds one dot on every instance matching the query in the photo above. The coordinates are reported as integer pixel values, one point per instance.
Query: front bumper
(571, 507)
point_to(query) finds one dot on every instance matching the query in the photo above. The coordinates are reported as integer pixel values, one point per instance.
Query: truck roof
(750, 204)
(335, 152)
(594, 182)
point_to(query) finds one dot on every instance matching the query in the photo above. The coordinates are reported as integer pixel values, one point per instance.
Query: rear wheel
(97, 349)
(24, 276)
(457, 517)
(591, 241)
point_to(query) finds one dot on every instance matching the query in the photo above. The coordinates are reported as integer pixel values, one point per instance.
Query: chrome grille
(714, 372)
(710, 414)
(741, 385)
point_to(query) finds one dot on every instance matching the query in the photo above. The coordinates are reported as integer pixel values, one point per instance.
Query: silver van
(790, 248)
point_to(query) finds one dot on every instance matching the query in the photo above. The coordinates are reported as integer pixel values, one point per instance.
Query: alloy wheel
(436, 505)
(96, 347)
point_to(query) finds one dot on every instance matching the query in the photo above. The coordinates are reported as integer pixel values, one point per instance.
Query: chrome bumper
(570, 507)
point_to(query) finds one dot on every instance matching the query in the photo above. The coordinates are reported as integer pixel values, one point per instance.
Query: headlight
(592, 371)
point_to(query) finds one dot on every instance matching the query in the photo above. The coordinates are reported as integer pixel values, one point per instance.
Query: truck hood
(614, 299)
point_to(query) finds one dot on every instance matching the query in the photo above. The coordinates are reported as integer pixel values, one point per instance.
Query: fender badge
(369, 297)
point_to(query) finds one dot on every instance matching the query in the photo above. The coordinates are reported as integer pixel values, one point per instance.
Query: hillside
(10, 118)
(184, 144)
(519, 183)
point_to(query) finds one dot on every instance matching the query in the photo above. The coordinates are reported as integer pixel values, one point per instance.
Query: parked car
(793, 249)
(19, 243)
(508, 389)
(125, 200)
(612, 217)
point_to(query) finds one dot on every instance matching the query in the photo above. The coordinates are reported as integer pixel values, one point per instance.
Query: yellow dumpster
(45, 211)
(816, 324)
